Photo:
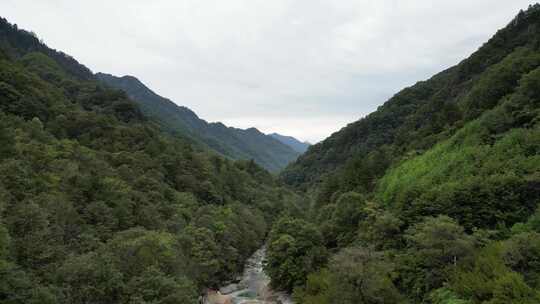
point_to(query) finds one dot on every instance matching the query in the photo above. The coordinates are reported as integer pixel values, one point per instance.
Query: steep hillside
(231, 142)
(419, 116)
(99, 206)
(434, 198)
(298, 146)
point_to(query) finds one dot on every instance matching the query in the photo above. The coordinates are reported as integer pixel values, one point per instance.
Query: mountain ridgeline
(235, 143)
(433, 198)
(298, 146)
(99, 205)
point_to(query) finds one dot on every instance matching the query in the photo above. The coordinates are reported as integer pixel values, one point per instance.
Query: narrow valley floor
(252, 288)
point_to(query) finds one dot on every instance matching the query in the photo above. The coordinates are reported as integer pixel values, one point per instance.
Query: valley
(111, 193)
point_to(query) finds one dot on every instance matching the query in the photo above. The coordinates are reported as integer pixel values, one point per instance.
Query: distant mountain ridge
(292, 142)
(265, 150)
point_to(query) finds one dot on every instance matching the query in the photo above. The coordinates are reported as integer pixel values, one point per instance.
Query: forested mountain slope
(235, 143)
(99, 206)
(433, 198)
(416, 118)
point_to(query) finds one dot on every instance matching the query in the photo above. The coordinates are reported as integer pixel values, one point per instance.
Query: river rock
(229, 289)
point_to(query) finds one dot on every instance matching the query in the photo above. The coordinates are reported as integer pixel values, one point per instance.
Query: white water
(253, 287)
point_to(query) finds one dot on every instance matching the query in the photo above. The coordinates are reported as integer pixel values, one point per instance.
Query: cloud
(298, 67)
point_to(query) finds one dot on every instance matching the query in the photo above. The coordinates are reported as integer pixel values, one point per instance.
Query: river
(253, 287)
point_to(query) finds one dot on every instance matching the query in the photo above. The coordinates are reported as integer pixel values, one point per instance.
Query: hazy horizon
(297, 68)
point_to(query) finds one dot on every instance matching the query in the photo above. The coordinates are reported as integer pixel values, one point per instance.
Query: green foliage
(489, 280)
(92, 277)
(380, 229)
(434, 248)
(510, 288)
(315, 290)
(7, 142)
(446, 296)
(348, 209)
(4, 242)
(499, 80)
(203, 252)
(531, 225)
(341, 225)
(522, 254)
(295, 249)
(16, 287)
(356, 275)
(153, 286)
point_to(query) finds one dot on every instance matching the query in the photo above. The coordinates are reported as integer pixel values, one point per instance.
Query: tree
(7, 140)
(152, 286)
(488, 280)
(510, 288)
(90, 278)
(202, 255)
(522, 254)
(435, 245)
(30, 234)
(446, 296)
(137, 249)
(380, 229)
(4, 241)
(316, 289)
(295, 249)
(362, 275)
(349, 211)
(354, 276)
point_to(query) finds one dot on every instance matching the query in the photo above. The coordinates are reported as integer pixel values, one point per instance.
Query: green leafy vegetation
(97, 205)
(295, 249)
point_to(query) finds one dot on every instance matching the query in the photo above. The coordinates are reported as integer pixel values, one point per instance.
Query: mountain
(99, 205)
(432, 198)
(418, 117)
(231, 142)
(292, 142)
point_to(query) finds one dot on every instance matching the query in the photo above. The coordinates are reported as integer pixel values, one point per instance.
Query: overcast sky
(304, 68)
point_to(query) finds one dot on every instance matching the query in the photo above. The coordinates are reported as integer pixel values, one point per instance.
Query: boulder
(229, 289)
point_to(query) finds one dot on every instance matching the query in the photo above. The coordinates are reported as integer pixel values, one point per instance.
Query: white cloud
(299, 67)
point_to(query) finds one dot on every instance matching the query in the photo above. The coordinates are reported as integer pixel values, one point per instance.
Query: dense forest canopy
(98, 205)
(434, 197)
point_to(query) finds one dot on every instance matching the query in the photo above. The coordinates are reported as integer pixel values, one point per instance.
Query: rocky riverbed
(252, 288)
